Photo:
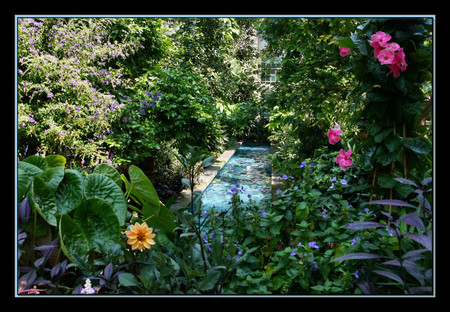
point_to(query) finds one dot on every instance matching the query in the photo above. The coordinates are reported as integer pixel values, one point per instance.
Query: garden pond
(248, 171)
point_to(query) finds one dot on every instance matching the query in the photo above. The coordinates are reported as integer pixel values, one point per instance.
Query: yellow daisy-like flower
(140, 236)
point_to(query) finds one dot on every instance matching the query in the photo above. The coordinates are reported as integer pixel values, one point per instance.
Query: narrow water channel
(249, 170)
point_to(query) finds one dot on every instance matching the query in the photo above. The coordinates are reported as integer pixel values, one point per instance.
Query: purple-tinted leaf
(421, 290)
(55, 270)
(390, 275)
(357, 256)
(424, 202)
(406, 181)
(408, 264)
(421, 239)
(427, 181)
(393, 202)
(415, 254)
(28, 279)
(24, 210)
(363, 225)
(108, 271)
(48, 249)
(387, 214)
(367, 288)
(45, 247)
(412, 219)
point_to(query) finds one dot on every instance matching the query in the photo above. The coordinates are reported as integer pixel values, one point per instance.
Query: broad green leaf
(208, 161)
(110, 172)
(72, 238)
(52, 177)
(22, 184)
(142, 187)
(55, 161)
(100, 186)
(30, 169)
(44, 201)
(97, 220)
(347, 42)
(38, 161)
(70, 191)
(128, 280)
(302, 211)
(163, 221)
(211, 278)
(416, 145)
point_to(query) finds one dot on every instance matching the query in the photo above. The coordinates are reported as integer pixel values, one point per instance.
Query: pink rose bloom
(344, 51)
(380, 39)
(343, 159)
(334, 133)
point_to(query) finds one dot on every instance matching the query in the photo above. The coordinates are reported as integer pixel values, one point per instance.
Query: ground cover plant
(116, 116)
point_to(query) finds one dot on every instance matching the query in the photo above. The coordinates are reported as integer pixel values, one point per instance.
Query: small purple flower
(233, 190)
(30, 119)
(302, 165)
(313, 245)
(240, 252)
(294, 252)
(285, 177)
(249, 196)
(343, 182)
(141, 110)
(263, 213)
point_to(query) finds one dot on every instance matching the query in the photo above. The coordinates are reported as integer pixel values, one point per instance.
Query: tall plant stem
(373, 184)
(405, 168)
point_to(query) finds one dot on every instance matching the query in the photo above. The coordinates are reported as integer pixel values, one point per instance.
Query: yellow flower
(140, 236)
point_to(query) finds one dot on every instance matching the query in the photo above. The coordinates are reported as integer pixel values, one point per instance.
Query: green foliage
(122, 91)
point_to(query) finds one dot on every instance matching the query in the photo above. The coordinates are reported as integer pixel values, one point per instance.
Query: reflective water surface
(248, 170)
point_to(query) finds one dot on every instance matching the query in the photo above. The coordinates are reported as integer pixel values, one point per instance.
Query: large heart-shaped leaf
(142, 188)
(73, 240)
(97, 220)
(110, 172)
(22, 184)
(70, 191)
(37, 161)
(30, 169)
(52, 177)
(55, 161)
(100, 186)
(44, 201)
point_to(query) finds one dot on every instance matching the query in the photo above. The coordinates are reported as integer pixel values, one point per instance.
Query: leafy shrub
(64, 102)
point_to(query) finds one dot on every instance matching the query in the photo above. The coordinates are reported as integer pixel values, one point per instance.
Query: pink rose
(344, 51)
(343, 159)
(334, 133)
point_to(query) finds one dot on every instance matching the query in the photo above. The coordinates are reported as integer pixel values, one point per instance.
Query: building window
(269, 71)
